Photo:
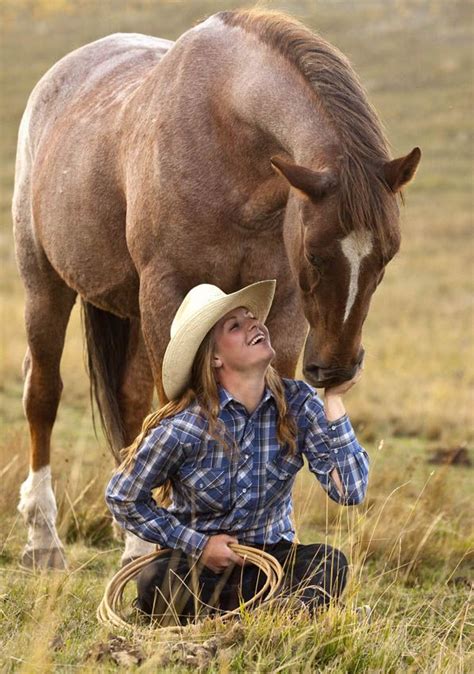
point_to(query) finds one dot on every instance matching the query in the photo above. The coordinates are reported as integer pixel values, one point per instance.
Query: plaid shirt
(247, 493)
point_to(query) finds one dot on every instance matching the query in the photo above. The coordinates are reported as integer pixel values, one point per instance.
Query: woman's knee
(148, 576)
(326, 566)
(151, 577)
(337, 567)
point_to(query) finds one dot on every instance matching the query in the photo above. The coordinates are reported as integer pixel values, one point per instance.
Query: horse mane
(363, 202)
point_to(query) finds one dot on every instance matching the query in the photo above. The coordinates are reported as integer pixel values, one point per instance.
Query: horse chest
(229, 256)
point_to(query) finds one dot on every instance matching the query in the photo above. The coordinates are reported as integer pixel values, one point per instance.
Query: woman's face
(242, 343)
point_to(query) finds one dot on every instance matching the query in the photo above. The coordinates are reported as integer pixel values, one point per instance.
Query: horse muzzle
(326, 377)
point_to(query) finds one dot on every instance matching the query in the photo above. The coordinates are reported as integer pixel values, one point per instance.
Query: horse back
(115, 64)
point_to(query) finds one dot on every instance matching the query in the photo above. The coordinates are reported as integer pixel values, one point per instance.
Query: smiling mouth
(257, 339)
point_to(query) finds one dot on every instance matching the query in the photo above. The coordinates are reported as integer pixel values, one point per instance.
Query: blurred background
(415, 59)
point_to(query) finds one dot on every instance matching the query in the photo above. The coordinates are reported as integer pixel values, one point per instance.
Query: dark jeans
(314, 573)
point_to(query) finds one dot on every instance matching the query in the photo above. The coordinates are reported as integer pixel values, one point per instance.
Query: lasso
(112, 604)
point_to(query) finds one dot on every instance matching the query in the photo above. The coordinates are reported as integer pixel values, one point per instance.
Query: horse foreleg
(160, 297)
(135, 400)
(47, 314)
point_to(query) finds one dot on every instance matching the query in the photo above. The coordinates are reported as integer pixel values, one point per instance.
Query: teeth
(257, 339)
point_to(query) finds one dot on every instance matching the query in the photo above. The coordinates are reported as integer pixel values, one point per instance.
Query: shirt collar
(225, 397)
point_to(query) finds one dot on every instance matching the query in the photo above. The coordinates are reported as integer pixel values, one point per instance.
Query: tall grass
(408, 546)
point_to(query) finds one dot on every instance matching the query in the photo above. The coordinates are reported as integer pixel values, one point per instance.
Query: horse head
(338, 265)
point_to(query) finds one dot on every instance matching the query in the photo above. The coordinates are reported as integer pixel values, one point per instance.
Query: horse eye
(316, 262)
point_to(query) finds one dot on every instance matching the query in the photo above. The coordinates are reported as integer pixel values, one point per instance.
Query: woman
(225, 451)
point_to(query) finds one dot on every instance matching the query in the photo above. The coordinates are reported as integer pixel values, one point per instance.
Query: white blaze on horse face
(38, 507)
(355, 247)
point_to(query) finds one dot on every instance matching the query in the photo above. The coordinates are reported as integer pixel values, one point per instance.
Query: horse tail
(106, 338)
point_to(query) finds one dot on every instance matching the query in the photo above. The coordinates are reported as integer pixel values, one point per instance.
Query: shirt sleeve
(129, 494)
(333, 444)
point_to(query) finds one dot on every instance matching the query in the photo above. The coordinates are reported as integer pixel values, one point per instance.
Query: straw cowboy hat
(200, 310)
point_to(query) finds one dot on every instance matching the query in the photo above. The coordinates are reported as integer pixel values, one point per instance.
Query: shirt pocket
(280, 474)
(206, 488)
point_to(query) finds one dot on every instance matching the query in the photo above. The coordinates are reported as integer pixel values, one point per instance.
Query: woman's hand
(217, 555)
(340, 389)
(333, 404)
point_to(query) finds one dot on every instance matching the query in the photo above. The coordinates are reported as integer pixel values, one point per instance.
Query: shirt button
(246, 456)
(333, 428)
(200, 485)
(336, 451)
(244, 491)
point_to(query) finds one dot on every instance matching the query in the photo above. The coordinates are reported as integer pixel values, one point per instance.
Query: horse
(246, 150)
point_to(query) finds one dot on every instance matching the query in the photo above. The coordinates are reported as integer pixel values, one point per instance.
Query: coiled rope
(110, 610)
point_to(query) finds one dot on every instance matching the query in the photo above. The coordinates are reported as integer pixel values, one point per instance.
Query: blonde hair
(203, 389)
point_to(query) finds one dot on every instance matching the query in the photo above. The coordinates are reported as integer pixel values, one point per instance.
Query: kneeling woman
(225, 451)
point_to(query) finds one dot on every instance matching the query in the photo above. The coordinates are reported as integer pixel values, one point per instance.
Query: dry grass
(409, 548)
(410, 542)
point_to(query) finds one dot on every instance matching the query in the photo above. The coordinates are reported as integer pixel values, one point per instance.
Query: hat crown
(196, 299)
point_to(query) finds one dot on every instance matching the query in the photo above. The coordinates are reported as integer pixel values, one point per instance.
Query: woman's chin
(269, 354)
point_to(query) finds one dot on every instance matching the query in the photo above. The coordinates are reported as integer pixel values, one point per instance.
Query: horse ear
(399, 172)
(308, 183)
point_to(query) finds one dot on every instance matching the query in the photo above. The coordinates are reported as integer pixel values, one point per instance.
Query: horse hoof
(50, 558)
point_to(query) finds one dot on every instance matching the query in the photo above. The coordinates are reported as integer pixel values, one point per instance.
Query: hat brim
(183, 346)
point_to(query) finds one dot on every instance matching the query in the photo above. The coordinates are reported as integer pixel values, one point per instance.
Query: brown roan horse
(246, 150)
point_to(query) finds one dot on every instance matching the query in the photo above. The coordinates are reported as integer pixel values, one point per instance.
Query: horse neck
(286, 120)
(283, 107)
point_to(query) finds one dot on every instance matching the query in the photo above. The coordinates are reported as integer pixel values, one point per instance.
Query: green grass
(411, 543)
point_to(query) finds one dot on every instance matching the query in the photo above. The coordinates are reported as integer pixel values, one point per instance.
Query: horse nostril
(314, 370)
(313, 374)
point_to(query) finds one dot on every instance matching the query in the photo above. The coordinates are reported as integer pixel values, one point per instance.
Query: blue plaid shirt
(248, 494)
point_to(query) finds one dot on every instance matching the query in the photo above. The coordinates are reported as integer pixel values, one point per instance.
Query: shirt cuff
(189, 540)
(342, 438)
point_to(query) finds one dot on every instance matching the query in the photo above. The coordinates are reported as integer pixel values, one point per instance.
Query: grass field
(410, 544)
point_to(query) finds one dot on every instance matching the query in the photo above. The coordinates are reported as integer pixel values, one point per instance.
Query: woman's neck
(247, 388)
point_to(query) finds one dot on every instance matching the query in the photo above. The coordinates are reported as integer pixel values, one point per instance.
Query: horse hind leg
(48, 307)
(135, 400)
